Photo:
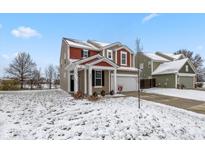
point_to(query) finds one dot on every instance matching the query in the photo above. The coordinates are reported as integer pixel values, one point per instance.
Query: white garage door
(129, 82)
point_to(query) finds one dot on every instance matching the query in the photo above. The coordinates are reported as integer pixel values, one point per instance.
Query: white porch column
(75, 79)
(68, 78)
(115, 81)
(85, 81)
(90, 81)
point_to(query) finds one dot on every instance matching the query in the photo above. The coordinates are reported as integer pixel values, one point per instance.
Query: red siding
(119, 57)
(102, 63)
(75, 53)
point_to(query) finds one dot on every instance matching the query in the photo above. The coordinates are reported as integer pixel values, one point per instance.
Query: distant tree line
(24, 70)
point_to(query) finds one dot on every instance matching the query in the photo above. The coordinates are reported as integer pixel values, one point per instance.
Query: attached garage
(187, 81)
(129, 82)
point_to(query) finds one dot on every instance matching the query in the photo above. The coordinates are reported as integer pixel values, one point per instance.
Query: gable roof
(170, 56)
(155, 57)
(171, 67)
(103, 45)
(80, 44)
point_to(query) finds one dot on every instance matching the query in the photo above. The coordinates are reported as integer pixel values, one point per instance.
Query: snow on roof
(80, 44)
(177, 56)
(170, 67)
(155, 57)
(101, 44)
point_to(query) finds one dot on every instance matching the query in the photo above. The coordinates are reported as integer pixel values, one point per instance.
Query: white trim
(121, 53)
(75, 79)
(103, 53)
(109, 51)
(68, 51)
(90, 81)
(176, 80)
(87, 59)
(126, 48)
(98, 86)
(126, 75)
(115, 81)
(133, 69)
(186, 74)
(116, 56)
(103, 67)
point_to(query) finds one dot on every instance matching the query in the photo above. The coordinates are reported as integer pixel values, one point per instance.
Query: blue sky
(41, 34)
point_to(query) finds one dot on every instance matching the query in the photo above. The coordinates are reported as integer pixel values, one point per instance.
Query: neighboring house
(165, 70)
(92, 66)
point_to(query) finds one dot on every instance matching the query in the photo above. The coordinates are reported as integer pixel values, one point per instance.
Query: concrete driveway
(192, 105)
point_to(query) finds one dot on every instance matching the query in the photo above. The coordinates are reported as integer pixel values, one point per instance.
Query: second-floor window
(187, 68)
(85, 53)
(123, 58)
(109, 54)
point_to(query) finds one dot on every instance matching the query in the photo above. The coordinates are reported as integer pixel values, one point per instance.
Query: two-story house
(92, 66)
(165, 70)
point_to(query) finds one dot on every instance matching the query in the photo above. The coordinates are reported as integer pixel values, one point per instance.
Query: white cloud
(25, 32)
(149, 17)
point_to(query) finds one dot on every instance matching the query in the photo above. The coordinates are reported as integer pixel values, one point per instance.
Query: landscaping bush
(112, 92)
(94, 97)
(102, 93)
(78, 95)
(9, 85)
(199, 85)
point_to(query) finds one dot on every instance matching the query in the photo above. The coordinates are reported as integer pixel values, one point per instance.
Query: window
(98, 78)
(141, 66)
(123, 58)
(85, 53)
(109, 54)
(187, 68)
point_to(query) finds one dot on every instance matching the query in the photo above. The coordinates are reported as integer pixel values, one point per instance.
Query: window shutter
(103, 78)
(93, 78)
(82, 53)
(88, 53)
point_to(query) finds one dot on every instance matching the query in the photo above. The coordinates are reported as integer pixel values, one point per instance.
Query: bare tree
(57, 76)
(196, 59)
(139, 46)
(21, 67)
(50, 72)
(35, 78)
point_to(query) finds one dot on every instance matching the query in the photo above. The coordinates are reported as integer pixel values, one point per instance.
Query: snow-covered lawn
(55, 115)
(182, 93)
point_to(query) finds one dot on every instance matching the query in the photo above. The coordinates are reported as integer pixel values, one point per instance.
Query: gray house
(165, 70)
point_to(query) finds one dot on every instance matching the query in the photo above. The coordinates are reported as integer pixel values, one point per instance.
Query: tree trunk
(21, 84)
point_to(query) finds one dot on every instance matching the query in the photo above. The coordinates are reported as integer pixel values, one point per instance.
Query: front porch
(92, 76)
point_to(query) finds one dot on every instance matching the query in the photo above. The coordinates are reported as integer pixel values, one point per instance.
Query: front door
(71, 83)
